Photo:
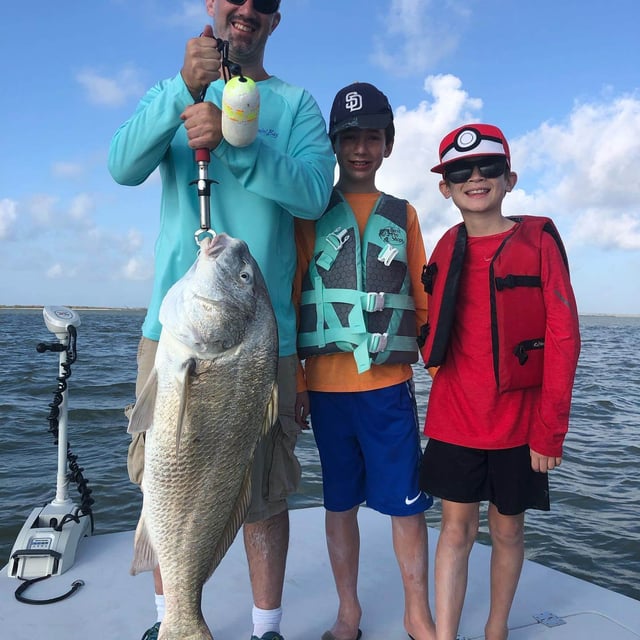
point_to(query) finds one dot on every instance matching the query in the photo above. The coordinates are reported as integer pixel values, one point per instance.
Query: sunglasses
(261, 6)
(459, 172)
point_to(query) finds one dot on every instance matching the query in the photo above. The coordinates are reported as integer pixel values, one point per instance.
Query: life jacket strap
(367, 344)
(370, 301)
(520, 350)
(510, 282)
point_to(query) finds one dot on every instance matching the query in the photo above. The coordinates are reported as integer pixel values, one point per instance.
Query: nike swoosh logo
(409, 501)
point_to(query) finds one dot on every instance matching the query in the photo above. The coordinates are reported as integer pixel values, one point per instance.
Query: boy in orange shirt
(362, 306)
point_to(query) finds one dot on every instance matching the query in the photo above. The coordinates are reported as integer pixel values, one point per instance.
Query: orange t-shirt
(338, 371)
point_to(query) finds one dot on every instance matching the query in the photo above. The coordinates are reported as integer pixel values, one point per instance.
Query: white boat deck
(112, 605)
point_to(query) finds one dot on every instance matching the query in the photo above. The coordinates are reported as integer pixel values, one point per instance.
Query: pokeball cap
(472, 141)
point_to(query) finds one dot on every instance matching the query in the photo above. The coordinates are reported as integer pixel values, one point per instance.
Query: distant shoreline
(609, 315)
(18, 307)
(27, 307)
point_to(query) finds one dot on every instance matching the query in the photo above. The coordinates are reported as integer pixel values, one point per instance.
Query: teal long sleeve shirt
(286, 172)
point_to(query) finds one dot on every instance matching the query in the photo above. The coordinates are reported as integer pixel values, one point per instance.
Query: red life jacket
(518, 316)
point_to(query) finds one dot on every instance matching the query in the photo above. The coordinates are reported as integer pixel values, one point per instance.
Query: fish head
(211, 306)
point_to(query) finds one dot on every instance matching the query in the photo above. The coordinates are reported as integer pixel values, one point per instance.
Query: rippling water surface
(592, 531)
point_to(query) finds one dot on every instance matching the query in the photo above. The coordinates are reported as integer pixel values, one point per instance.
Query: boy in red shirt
(504, 335)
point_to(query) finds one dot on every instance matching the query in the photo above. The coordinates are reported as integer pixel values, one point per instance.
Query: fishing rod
(240, 107)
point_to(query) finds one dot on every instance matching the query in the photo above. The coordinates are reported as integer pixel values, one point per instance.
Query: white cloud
(111, 92)
(416, 34)
(133, 241)
(418, 134)
(55, 272)
(8, 217)
(67, 169)
(74, 250)
(586, 167)
(614, 232)
(582, 172)
(137, 269)
(50, 214)
(189, 14)
(81, 207)
(42, 208)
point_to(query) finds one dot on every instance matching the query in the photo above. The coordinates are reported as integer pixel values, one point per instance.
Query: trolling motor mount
(47, 542)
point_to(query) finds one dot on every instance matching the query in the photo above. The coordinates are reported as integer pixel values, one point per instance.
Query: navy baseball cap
(359, 105)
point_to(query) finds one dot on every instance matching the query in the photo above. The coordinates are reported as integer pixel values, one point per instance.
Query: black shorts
(502, 476)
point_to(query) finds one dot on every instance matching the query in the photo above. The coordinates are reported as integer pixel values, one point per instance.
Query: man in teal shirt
(286, 172)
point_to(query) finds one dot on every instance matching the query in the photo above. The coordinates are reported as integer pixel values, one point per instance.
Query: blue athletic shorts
(370, 450)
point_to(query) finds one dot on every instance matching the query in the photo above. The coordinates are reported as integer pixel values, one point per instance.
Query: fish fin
(144, 555)
(141, 417)
(271, 412)
(234, 522)
(188, 369)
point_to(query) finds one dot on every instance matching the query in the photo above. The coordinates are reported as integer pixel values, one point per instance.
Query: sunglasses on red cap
(489, 167)
(261, 6)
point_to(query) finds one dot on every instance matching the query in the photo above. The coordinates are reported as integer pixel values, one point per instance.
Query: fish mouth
(214, 246)
(208, 301)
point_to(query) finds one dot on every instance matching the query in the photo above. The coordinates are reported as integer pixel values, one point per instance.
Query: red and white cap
(472, 141)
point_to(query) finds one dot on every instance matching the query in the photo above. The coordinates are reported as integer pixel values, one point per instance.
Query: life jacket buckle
(378, 342)
(375, 301)
(387, 255)
(338, 238)
(429, 273)
(509, 281)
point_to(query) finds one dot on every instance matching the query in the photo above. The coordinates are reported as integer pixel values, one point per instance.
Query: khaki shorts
(276, 470)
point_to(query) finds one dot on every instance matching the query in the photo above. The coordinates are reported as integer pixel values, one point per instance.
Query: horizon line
(84, 307)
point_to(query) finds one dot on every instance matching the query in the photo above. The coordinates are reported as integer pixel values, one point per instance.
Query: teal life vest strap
(362, 344)
(355, 336)
(370, 301)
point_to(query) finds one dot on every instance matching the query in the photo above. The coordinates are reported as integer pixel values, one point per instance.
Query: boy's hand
(542, 464)
(302, 410)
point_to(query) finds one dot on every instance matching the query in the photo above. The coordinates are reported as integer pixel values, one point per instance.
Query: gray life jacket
(356, 295)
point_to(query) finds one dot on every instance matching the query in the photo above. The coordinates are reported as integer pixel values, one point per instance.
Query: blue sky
(558, 76)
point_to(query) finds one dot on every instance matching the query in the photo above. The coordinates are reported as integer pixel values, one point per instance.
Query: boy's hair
(389, 133)
(361, 106)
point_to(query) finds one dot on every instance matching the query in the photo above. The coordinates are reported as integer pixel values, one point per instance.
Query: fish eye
(245, 276)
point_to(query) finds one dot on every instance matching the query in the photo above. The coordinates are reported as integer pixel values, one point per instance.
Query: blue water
(592, 531)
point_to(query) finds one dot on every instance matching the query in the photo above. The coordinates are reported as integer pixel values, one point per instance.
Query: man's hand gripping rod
(203, 156)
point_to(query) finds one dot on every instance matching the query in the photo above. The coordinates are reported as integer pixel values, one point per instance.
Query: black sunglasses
(459, 172)
(261, 6)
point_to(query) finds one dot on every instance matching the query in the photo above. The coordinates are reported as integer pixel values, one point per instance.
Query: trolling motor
(47, 542)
